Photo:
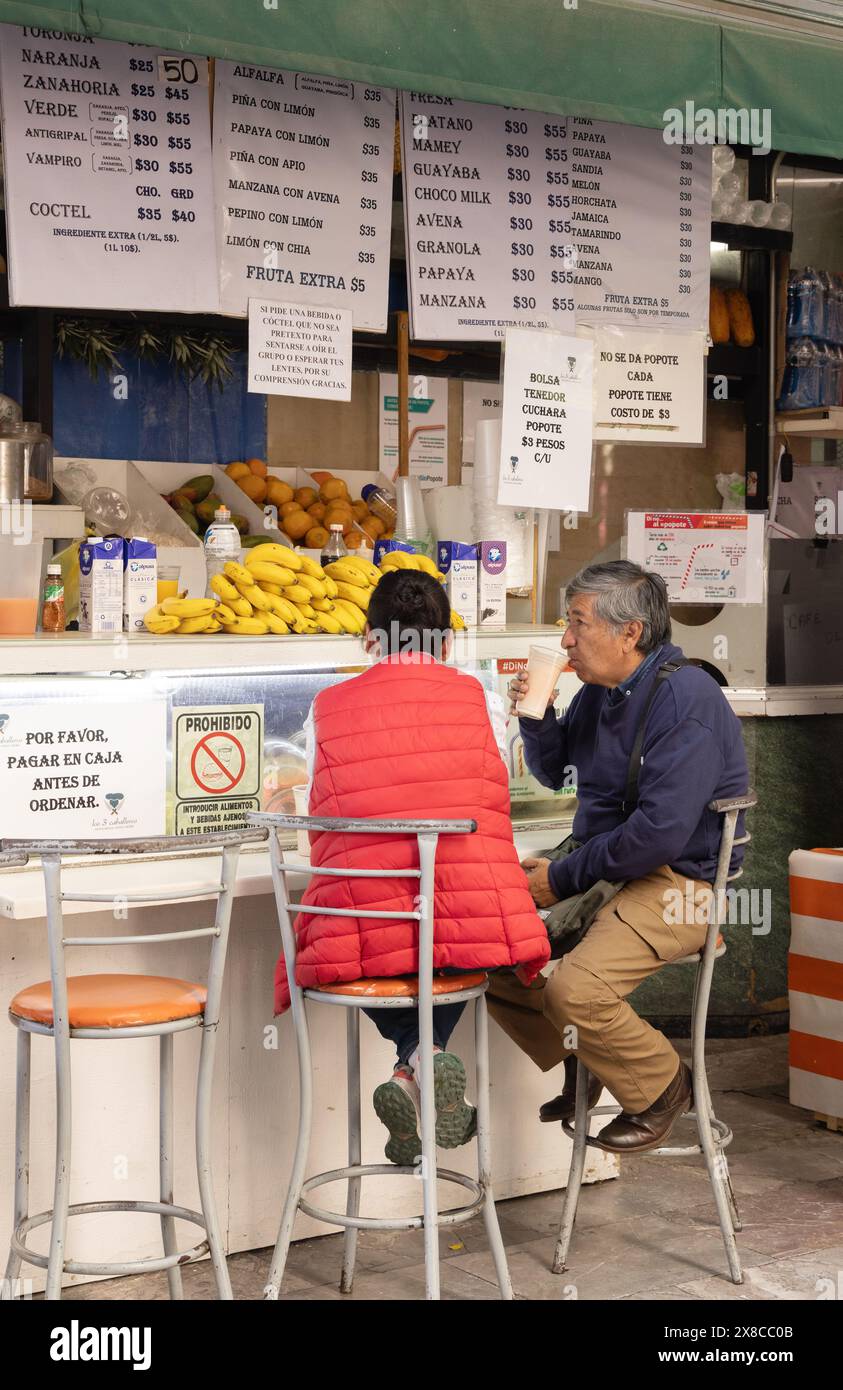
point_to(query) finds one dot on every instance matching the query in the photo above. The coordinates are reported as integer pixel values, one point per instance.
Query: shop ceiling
(605, 59)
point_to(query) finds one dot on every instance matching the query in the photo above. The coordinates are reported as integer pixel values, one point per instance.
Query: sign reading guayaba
(519, 218)
(303, 179)
(107, 160)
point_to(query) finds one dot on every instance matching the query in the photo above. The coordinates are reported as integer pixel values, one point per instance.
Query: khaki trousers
(581, 1006)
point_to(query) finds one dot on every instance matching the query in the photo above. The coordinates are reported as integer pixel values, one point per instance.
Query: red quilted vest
(411, 738)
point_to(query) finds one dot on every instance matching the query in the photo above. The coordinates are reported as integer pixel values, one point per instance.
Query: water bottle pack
(814, 362)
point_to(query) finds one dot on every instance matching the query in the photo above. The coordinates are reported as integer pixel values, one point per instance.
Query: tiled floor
(651, 1234)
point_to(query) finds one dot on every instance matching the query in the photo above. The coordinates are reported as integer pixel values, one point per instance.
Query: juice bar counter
(156, 698)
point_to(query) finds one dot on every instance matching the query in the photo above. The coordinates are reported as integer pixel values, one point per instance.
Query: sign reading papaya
(217, 757)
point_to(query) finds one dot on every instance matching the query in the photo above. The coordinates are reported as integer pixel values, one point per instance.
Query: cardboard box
(458, 563)
(491, 584)
(140, 582)
(101, 584)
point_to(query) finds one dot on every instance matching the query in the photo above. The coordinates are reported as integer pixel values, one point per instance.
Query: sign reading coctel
(217, 767)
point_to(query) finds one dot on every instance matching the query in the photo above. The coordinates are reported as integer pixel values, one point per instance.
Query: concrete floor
(651, 1234)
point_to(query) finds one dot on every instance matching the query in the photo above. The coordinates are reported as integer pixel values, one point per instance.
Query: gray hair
(625, 593)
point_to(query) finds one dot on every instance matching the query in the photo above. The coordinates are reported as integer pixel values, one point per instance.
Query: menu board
(515, 218)
(303, 177)
(107, 150)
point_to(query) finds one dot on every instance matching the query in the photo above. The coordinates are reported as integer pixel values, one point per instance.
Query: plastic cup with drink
(544, 667)
(167, 584)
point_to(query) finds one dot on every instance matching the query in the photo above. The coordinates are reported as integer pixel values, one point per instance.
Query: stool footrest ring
(145, 1266)
(382, 1223)
(721, 1134)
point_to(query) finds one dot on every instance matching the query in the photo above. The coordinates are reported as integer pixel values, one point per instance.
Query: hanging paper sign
(107, 153)
(649, 386)
(299, 350)
(79, 771)
(517, 217)
(427, 423)
(547, 420)
(703, 557)
(303, 178)
(217, 756)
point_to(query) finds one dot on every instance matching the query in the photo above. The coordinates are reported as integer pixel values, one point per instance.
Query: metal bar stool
(423, 992)
(120, 1006)
(714, 1134)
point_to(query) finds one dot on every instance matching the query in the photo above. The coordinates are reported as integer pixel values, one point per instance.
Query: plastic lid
(54, 569)
(222, 513)
(336, 526)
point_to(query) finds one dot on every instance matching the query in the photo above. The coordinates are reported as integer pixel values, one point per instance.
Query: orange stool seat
(403, 986)
(113, 1001)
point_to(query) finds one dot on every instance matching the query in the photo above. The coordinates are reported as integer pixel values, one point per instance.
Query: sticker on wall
(217, 755)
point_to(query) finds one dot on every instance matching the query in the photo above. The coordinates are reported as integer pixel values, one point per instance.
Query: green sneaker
(456, 1120)
(396, 1104)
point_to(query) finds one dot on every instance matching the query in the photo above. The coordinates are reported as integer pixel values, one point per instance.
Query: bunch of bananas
(355, 580)
(404, 560)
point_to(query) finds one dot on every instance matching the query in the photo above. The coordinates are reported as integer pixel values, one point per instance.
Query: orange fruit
(319, 476)
(373, 526)
(287, 507)
(335, 487)
(339, 506)
(316, 537)
(238, 470)
(296, 524)
(360, 509)
(354, 540)
(317, 511)
(388, 536)
(277, 491)
(257, 466)
(253, 486)
(306, 496)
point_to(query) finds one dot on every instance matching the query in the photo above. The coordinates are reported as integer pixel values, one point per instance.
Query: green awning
(604, 59)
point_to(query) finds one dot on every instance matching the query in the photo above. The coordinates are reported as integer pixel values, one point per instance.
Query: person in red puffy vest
(412, 738)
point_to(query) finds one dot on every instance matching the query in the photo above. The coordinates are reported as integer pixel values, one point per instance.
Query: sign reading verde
(107, 153)
(217, 756)
(428, 425)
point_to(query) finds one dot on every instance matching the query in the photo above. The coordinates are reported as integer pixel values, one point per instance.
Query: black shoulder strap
(630, 800)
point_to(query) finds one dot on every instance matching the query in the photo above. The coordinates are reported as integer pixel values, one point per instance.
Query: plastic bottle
(801, 386)
(335, 547)
(799, 290)
(222, 543)
(826, 368)
(816, 304)
(381, 503)
(52, 612)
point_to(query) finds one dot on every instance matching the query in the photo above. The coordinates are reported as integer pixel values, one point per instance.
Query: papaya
(250, 541)
(205, 510)
(241, 523)
(189, 519)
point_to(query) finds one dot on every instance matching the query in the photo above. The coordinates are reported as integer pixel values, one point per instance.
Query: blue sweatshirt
(692, 753)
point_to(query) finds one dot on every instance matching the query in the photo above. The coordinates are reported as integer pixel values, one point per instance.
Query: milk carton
(458, 563)
(140, 582)
(101, 584)
(491, 584)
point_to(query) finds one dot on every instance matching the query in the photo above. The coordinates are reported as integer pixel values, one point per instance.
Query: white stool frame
(714, 1134)
(427, 834)
(52, 853)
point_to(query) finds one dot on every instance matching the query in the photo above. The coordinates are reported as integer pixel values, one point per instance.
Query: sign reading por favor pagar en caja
(82, 770)
(217, 757)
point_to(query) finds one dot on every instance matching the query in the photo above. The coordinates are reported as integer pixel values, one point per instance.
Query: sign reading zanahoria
(303, 177)
(519, 218)
(108, 174)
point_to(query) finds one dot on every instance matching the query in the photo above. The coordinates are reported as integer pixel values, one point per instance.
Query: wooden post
(403, 393)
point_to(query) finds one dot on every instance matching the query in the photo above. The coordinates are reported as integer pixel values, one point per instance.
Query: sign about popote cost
(703, 557)
(546, 421)
(82, 771)
(107, 153)
(649, 386)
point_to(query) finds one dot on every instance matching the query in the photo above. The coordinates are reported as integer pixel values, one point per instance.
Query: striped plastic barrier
(815, 980)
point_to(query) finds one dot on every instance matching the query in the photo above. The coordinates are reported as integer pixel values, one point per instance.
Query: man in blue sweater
(658, 839)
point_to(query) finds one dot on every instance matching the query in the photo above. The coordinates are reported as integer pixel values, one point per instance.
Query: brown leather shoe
(629, 1134)
(562, 1107)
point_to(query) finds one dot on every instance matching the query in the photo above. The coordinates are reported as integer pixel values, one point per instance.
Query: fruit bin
(166, 477)
(153, 513)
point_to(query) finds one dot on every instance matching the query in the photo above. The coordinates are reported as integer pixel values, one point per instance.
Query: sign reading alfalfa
(546, 425)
